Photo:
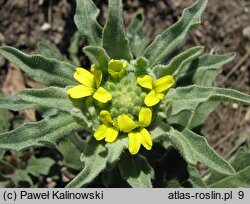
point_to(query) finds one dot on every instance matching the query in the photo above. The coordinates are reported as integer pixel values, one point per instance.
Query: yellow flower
(90, 85)
(117, 68)
(107, 130)
(158, 88)
(137, 133)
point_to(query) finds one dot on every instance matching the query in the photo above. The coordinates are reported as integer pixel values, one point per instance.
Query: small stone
(235, 106)
(45, 27)
(246, 32)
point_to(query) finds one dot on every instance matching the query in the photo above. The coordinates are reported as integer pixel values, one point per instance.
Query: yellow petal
(151, 99)
(84, 77)
(97, 75)
(101, 132)
(163, 84)
(80, 91)
(146, 140)
(112, 134)
(102, 95)
(116, 68)
(125, 123)
(105, 117)
(134, 142)
(145, 81)
(145, 116)
(160, 95)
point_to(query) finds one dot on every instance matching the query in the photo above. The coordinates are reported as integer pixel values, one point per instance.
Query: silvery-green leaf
(178, 62)
(47, 71)
(47, 132)
(71, 158)
(190, 97)
(114, 39)
(117, 149)
(205, 154)
(138, 40)
(4, 124)
(195, 178)
(170, 42)
(49, 98)
(94, 159)
(202, 71)
(180, 142)
(86, 22)
(136, 170)
(98, 57)
(73, 49)
(49, 50)
(239, 180)
(39, 166)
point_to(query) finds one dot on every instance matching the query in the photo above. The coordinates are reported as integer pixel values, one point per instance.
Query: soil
(225, 28)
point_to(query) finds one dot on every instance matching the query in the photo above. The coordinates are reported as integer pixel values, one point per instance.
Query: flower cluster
(129, 100)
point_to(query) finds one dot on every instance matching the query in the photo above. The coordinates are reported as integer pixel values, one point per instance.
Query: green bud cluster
(127, 97)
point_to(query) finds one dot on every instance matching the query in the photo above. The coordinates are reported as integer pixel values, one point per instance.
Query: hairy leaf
(239, 180)
(47, 71)
(114, 40)
(205, 154)
(183, 145)
(52, 97)
(203, 71)
(86, 23)
(98, 56)
(136, 171)
(94, 159)
(71, 158)
(195, 178)
(170, 42)
(49, 50)
(47, 132)
(178, 62)
(39, 166)
(138, 40)
(189, 98)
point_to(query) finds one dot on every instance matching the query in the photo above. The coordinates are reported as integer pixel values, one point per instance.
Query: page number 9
(241, 194)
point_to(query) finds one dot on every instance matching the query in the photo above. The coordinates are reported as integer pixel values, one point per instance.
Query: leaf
(114, 40)
(159, 131)
(73, 49)
(136, 171)
(98, 56)
(209, 67)
(238, 158)
(47, 71)
(49, 50)
(72, 158)
(20, 176)
(181, 143)
(140, 65)
(116, 148)
(40, 166)
(239, 180)
(138, 40)
(170, 42)
(203, 71)
(52, 97)
(47, 132)
(86, 23)
(195, 178)
(189, 98)
(178, 62)
(205, 154)
(94, 159)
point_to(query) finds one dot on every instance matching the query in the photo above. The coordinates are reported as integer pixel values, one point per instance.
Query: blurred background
(225, 28)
